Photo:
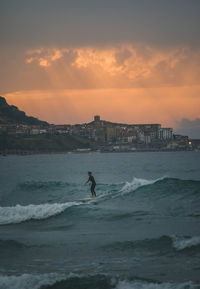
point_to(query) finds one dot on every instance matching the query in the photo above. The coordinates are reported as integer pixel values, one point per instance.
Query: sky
(132, 61)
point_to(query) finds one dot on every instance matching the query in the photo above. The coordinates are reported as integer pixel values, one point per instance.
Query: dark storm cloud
(90, 22)
(190, 127)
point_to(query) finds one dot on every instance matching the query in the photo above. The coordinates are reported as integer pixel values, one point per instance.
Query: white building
(147, 139)
(140, 136)
(165, 133)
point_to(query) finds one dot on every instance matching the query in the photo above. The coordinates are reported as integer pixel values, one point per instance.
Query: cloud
(190, 127)
(126, 82)
(187, 123)
(121, 66)
(124, 65)
(44, 57)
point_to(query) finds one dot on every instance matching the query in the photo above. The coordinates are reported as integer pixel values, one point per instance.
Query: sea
(142, 230)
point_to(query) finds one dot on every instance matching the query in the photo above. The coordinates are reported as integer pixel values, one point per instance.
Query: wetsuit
(92, 180)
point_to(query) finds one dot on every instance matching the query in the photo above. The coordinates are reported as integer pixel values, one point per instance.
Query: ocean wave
(160, 245)
(18, 213)
(60, 281)
(158, 188)
(8, 244)
(163, 184)
(27, 281)
(181, 243)
(137, 183)
(152, 285)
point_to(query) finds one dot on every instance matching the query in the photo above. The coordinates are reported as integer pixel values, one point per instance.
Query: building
(100, 134)
(97, 118)
(111, 134)
(147, 139)
(179, 142)
(165, 133)
(36, 131)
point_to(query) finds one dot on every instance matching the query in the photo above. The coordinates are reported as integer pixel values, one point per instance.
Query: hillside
(11, 114)
(41, 143)
(28, 143)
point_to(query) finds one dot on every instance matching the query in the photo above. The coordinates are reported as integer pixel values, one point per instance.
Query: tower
(97, 118)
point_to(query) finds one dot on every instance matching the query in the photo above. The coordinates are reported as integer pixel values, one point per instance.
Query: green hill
(11, 114)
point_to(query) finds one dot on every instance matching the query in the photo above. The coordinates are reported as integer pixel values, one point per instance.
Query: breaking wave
(116, 188)
(137, 183)
(162, 187)
(27, 281)
(163, 244)
(60, 281)
(164, 181)
(181, 243)
(18, 213)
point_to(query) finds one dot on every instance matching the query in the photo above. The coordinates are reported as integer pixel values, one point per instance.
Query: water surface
(142, 230)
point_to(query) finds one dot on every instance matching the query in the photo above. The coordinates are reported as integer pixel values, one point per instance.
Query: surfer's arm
(87, 181)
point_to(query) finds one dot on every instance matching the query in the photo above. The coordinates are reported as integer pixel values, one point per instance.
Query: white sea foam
(136, 183)
(36, 281)
(181, 243)
(29, 281)
(18, 213)
(151, 285)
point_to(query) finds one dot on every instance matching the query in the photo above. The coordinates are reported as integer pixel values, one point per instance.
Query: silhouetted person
(93, 185)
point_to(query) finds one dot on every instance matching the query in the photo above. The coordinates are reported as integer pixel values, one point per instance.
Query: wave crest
(27, 281)
(164, 184)
(163, 244)
(18, 213)
(181, 243)
(53, 280)
(137, 183)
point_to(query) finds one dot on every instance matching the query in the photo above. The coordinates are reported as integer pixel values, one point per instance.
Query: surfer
(93, 185)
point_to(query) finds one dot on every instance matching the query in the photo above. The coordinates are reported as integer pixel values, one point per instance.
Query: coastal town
(22, 134)
(105, 136)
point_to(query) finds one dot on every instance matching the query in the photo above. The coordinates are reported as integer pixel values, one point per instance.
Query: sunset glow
(132, 73)
(167, 105)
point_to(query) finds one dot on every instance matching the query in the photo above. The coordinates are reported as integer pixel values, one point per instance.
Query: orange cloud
(125, 83)
(121, 66)
(44, 57)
